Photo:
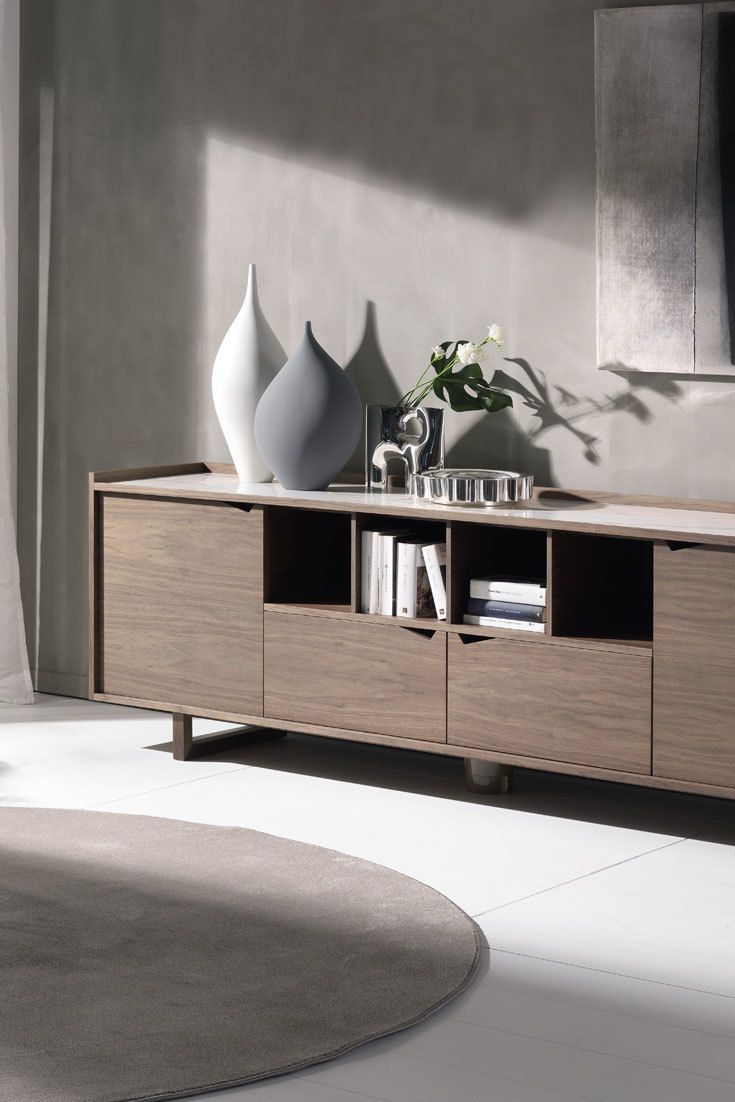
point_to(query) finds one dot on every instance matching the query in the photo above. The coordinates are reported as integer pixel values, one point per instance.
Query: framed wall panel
(666, 188)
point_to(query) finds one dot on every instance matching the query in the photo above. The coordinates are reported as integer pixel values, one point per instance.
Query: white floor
(609, 911)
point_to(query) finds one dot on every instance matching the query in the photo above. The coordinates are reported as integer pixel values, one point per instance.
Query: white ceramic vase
(248, 360)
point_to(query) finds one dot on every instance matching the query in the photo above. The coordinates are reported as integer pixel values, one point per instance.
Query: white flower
(495, 334)
(437, 350)
(470, 353)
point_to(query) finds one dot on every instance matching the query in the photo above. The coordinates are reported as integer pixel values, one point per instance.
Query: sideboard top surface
(549, 509)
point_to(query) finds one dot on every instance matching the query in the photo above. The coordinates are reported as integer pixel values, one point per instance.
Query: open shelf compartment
(480, 550)
(602, 587)
(428, 531)
(307, 558)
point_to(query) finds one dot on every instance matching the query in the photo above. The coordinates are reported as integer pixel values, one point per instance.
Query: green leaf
(495, 400)
(462, 402)
(438, 387)
(453, 391)
(464, 387)
(468, 371)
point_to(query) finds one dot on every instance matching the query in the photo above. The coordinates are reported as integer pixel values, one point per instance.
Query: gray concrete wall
(9, 82)
(402, 171)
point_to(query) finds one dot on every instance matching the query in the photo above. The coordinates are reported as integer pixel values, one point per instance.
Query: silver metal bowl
(448, 486)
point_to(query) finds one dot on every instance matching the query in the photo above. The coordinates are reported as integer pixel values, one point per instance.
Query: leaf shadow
(500, 441)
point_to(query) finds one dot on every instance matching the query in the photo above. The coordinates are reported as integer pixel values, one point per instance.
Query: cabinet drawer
(544, 701)
(358, 676)
(694, 604)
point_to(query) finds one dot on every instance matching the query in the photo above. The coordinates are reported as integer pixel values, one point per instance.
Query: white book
(506, 589)
(388, 542)
(375, 568)
(435, 557)
(496, 622)
(406, 579)
(413, 592)
(366, 562)
(370, 571)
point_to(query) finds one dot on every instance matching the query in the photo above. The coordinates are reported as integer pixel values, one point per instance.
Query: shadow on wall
(398, 89)
(371, 374)
(498, 441)
(384, 90)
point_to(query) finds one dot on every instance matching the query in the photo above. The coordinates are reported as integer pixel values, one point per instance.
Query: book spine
(497, 622)
(434, 558)
(424, 600)
(406, 580)
(375, 573)
(366, 569)
(505, 610)
(387, 572)
(508, 591)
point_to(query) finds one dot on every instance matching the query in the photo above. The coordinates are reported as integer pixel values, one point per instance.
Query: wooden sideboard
(239, 602)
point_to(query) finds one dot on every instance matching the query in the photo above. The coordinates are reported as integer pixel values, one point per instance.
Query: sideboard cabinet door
(694, 664)
(180, 603)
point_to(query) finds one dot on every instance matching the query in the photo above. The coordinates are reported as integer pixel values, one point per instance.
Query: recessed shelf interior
(428, 531)
(432, 531)
(307, 557)
(480, 550)
(602, 586)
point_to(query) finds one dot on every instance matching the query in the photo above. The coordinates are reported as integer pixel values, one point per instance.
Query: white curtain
(15, 679)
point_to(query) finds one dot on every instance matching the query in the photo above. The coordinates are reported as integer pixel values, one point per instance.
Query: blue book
(505, 610)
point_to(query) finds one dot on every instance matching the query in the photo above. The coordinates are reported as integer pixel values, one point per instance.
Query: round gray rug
(146, 958)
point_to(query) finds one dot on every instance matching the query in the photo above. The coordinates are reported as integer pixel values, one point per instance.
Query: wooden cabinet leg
(186, 747)
(487, 777)
(183, 739)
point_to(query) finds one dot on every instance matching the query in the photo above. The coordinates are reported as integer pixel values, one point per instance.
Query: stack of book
(504, 601)
(403, 575)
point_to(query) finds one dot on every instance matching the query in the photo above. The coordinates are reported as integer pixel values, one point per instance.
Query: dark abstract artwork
(726, 136)
(665, 105)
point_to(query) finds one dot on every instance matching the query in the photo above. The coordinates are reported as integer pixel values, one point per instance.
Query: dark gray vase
(308, 421)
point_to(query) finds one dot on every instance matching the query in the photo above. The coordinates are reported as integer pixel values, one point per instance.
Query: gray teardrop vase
(309, 420)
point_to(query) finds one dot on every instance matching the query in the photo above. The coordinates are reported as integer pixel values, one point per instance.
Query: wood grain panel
(694, 604)
(694, 669)
(364, 677)
(340, 612)
(181, 597)
(93, 564)
(694, 721)
(549, 702)
(643, 780)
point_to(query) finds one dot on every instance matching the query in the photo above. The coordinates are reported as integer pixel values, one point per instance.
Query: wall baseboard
(60, 684)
